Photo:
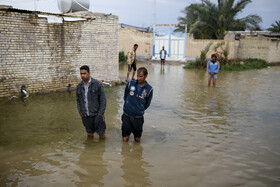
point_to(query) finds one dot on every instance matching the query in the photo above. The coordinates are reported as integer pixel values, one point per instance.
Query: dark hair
(84, 67)
(142, 69)
(135, 45)
(214, 55)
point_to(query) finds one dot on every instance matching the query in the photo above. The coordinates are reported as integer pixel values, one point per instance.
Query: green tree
(207, 20)
(275, 27)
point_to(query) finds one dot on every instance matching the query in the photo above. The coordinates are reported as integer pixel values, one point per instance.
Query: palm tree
(275, 28)
(207, 20)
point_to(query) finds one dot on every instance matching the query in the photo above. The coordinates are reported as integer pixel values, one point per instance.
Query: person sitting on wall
(91, 103)
(131, 62)
(213, 67)
(162, 54)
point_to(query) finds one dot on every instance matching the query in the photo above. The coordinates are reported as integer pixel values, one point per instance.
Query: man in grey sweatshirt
(91, 103)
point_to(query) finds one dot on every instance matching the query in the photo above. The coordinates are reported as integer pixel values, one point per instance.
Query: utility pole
(155, 11)
(154, 28)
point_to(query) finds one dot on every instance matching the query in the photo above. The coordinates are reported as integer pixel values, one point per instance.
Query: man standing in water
(131, 61)
(91, 103)
(162, 54)
(213, 67)
(138, 95)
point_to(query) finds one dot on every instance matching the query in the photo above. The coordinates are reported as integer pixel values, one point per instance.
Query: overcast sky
(141, 12)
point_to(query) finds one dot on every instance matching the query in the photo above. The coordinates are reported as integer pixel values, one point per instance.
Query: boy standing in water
(213, 67)
(138, 95)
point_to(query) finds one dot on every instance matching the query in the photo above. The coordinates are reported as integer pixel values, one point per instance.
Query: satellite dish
(73, 5)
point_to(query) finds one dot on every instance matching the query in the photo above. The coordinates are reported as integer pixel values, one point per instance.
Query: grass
(234, 66)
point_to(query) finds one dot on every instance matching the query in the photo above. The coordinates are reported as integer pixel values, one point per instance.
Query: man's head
(213, 57)
(162, 47)
(85, 73)
(142, 74)
(135, 47)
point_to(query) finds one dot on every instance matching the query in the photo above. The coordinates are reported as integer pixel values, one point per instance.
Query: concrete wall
(259, 47)
(130, 36)
(253, 47)
(250, 45)
(47, 56)
(194, 47)
(274, 50)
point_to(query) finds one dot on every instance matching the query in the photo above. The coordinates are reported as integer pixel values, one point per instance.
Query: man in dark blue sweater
(138, 95)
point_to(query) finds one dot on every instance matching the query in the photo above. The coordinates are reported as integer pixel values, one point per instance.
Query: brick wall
(47, 56)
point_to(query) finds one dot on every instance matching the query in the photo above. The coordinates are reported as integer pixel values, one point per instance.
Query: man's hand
(102, 116)
(82, 115)
(212, 73)
(99, 118)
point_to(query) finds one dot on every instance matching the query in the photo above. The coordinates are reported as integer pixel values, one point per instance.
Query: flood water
(193, 135)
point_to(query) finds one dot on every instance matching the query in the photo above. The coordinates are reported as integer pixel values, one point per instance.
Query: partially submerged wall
(130, 36)
(47, 56)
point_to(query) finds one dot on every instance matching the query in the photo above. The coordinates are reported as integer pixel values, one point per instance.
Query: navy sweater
(135, 103)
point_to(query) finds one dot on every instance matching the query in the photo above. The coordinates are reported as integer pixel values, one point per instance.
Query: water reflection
(162, 70)
(94, 167)
(133, 165)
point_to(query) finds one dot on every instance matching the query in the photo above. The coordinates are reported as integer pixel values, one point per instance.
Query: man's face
(213, 58)
(135, 48)
(84, 75)
(141, 77)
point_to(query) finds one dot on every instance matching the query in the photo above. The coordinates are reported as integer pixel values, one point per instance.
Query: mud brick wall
(260, 47)
(47, 56)
(130, 36)
(195, 46)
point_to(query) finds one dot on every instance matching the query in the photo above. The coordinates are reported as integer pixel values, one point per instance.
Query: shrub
(233, 65)
(197, 64)
(122, 57)
(247, 64)
(256, 63)
(203, 53)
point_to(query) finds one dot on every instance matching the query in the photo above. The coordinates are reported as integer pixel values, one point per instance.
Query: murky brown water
(193, 135)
